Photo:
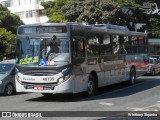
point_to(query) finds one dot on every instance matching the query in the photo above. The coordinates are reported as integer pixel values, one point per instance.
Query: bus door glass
(118, 53)
(79, 67)
(106, 62)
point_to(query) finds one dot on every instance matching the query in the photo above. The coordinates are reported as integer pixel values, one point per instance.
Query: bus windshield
(43, 51)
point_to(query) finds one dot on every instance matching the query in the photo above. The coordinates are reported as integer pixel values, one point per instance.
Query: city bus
(56, 58)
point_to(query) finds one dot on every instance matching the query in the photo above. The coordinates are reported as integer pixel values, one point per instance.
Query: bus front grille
(46, 86)
(40, 74)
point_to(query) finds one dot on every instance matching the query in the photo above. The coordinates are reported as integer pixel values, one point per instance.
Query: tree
(6, 41)
(131, 12)
(8, 25)
(9, 20)
(90, 11)
(52, 10)
(120, 12)
(73, 9)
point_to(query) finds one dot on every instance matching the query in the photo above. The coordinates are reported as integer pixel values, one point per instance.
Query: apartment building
(29, 11)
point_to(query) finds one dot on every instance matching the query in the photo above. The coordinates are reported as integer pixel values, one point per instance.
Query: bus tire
(91, 86)
(47, 94)
(9, 89)
(132, 77)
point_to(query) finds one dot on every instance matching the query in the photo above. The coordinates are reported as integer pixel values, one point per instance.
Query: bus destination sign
(42, 29)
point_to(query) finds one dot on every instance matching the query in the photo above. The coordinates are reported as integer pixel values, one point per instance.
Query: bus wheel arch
(92, 83)
(132, 75)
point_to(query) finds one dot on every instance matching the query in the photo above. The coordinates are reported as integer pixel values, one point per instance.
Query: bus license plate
(38, 87)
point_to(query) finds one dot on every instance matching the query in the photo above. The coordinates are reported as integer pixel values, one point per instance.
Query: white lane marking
(105, 103)
(148, 108)
(142, 109)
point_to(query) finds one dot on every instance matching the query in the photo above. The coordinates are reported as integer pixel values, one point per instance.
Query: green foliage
(6, 40)
(73, 9)
(128, 13)
(131, 12)
(8, 25)
(129, 3)
(3, 8)
(57, 17)
(90, 11)
(155, 25)
(9, 20)
(121, 12)
(52, 10)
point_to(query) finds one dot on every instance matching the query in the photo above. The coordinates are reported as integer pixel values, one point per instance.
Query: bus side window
(134, 45)
(105, 46)
(78, 48)
(93, 45)
(141, 45)
(122, 40)
(116, 44)
(146, 45)
(127, 44)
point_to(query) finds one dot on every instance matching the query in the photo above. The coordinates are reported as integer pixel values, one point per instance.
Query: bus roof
(118, 30)
(110, 29)
(110, 26)
(106, 28)
(49, 24)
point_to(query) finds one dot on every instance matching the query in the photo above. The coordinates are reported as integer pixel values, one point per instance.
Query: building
(154, 46)
(29, 11)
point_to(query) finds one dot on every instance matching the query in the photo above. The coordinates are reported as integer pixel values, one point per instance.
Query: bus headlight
(64, 78)
(60, 80)
(66, 75)
(0, 82)
(19, 79)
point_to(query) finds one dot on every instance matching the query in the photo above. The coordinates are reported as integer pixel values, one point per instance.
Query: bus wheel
(132, 77)
(91, 86)
(9, 89)
(47, 94)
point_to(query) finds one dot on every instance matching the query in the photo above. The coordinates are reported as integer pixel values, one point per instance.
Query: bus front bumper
(65, 87)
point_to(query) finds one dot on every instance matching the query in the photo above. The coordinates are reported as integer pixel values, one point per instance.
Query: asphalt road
(143, 96)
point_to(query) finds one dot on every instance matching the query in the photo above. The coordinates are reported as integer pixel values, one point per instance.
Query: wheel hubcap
(9, 89)
(90, 87)
(133, 77)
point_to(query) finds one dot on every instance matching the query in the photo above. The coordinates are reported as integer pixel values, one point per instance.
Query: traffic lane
(88, 103)
(118, 97)
(114, 97)
(144, 95)
(144, 83)
(141, 96)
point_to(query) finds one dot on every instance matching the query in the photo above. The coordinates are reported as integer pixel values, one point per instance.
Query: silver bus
(71, 58)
